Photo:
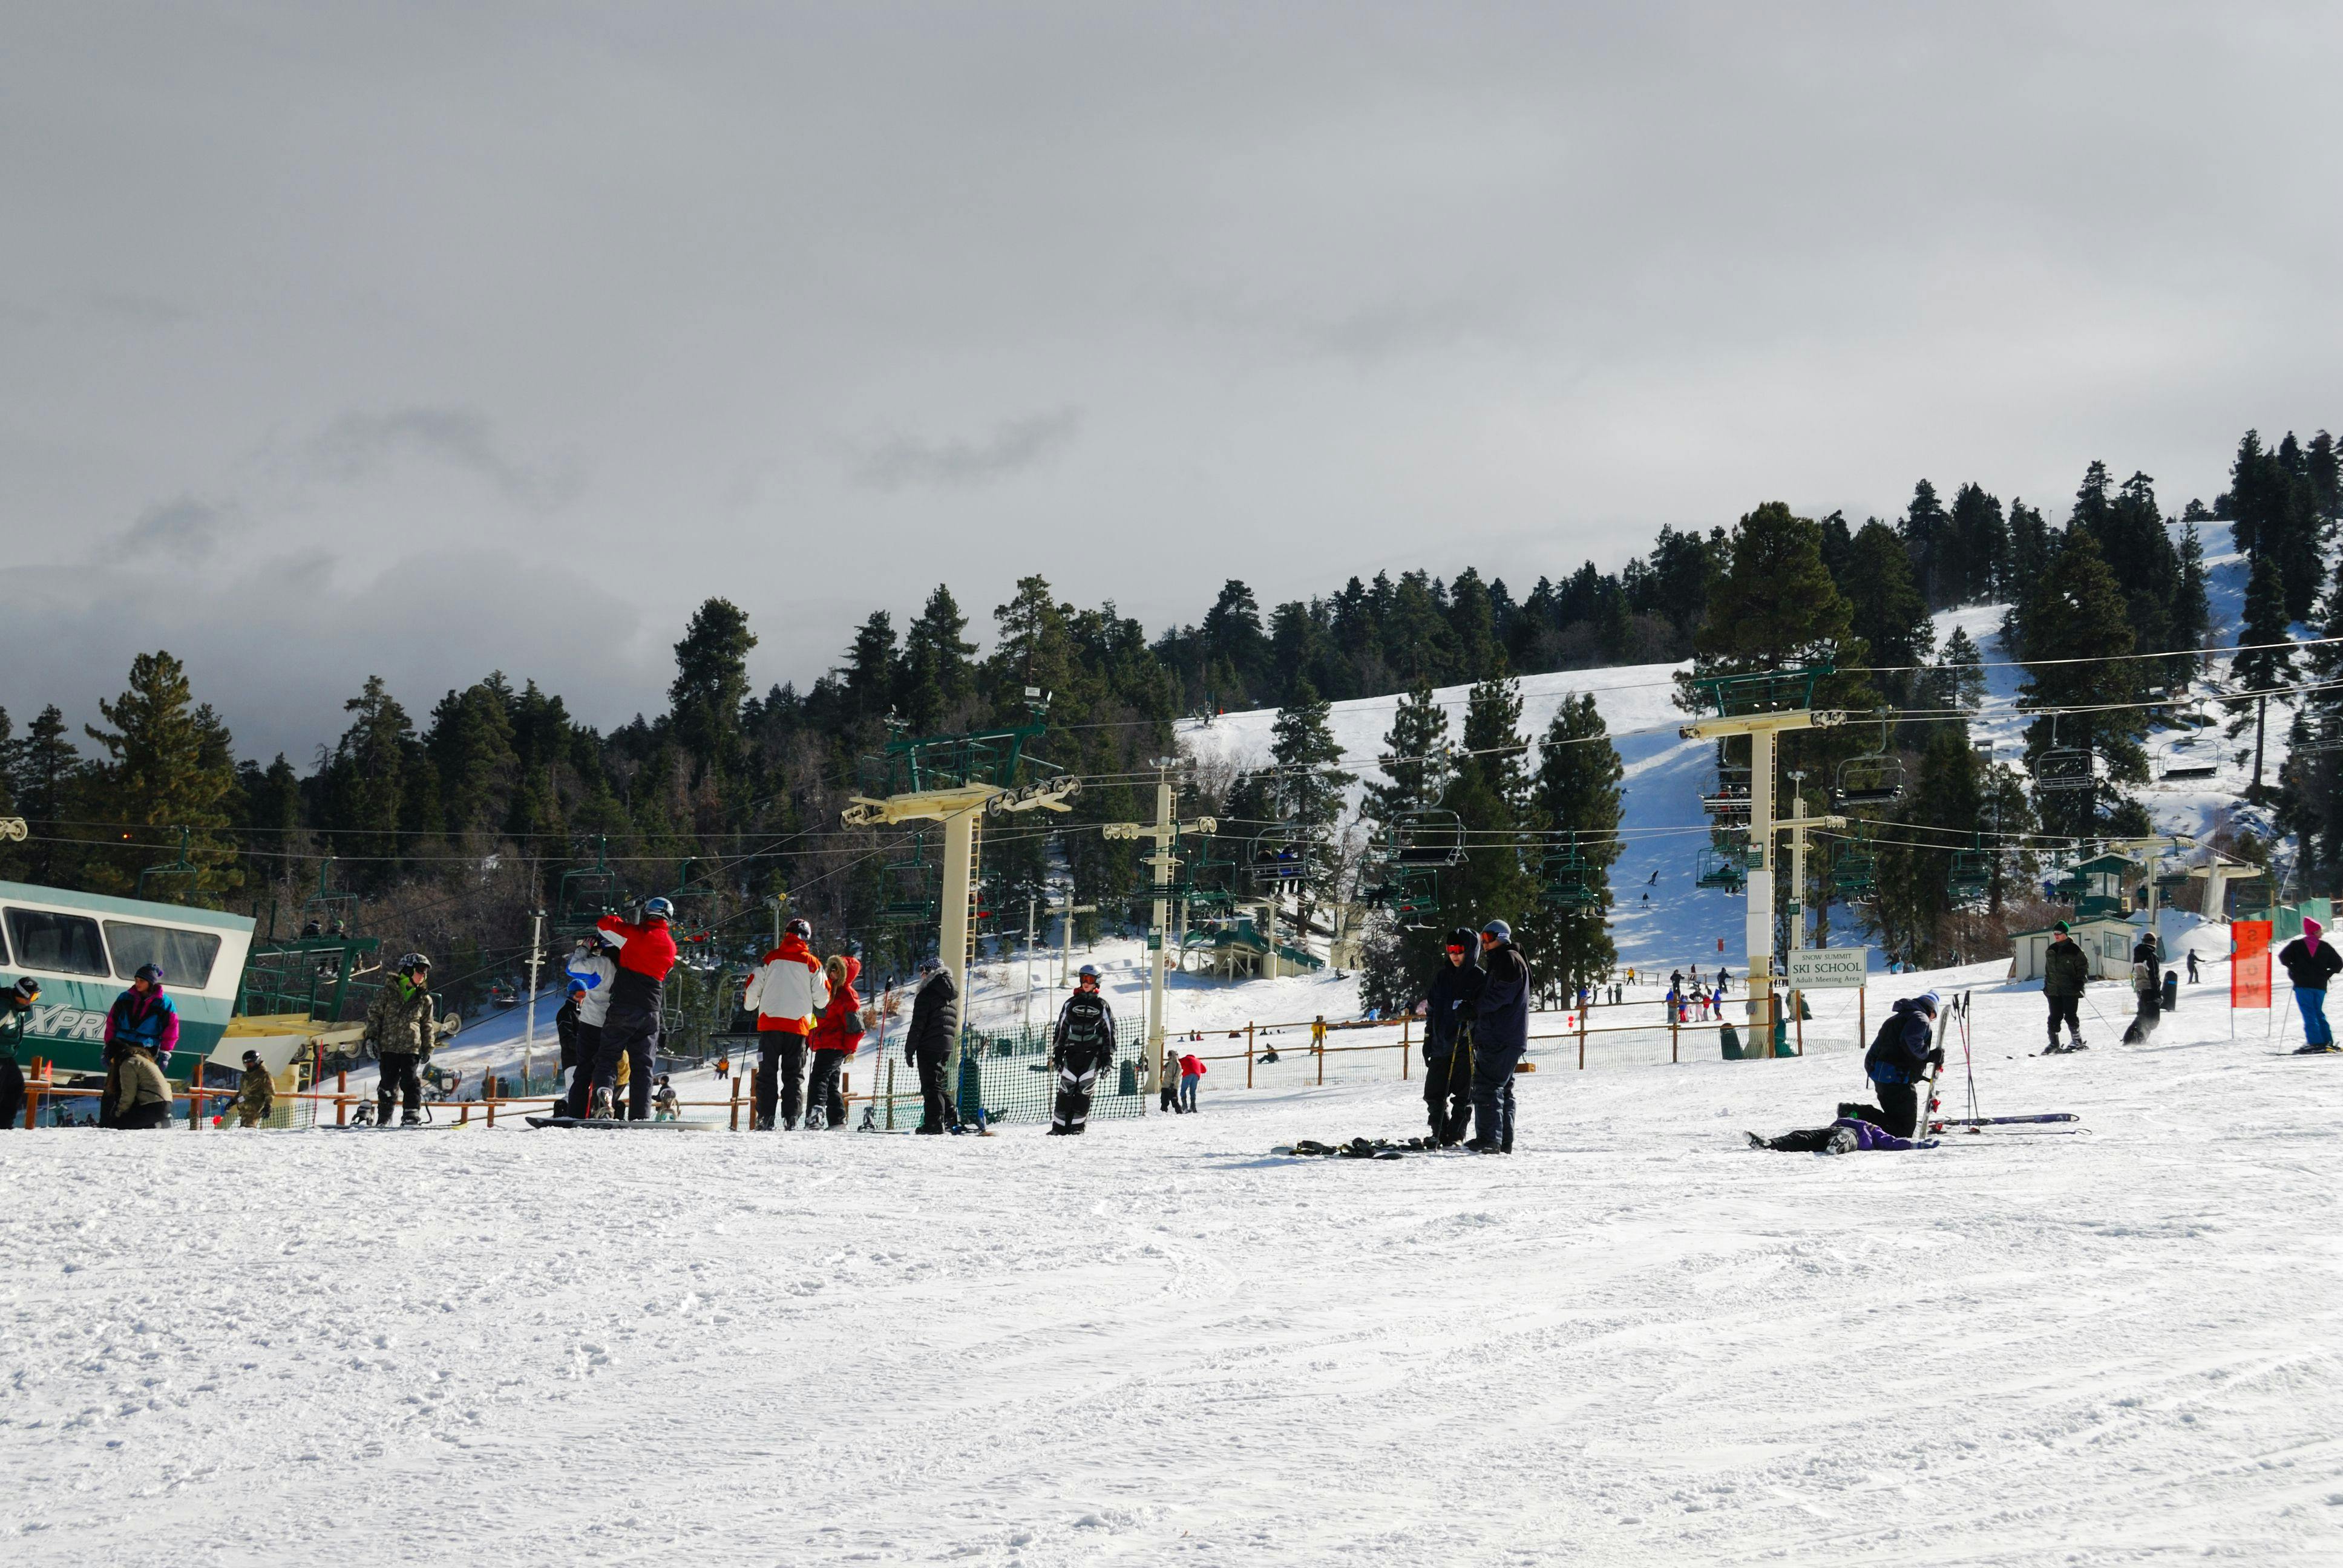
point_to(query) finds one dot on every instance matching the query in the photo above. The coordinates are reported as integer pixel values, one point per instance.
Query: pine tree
(2076, 613)
(2029, 553)
(1944, 803)
(939, 679)
(43, 771)
(2192, 613)
(1928, 536)
(1965, 666)
(1983, 535)
(1308, 793)
(1886, 609)
(470, 745)
(871, 673)
(712, 687)
(1490, 793)
(1236, 646)
(1577, 795)
(2267, 630)
(166, 767)
(1414, 759)
(367, 777)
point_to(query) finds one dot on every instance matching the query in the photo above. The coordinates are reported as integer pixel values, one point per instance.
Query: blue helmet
(658, 909)
(1088, 971)
(1499, 929)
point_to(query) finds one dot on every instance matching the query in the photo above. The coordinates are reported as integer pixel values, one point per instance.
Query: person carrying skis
(401, 1028)
(2311, 963)
(837, 1035)
(592, 973)
(2066, 970)
(1900, 1056)
(2148, 988)
(928, 1043)
(1448, 1040)
(1082, 1048)
(630, 1027)
(785, 993)
(1501, 1035)
(16, 1012)
(256, 1093)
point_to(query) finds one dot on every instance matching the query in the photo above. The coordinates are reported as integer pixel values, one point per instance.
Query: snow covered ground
(1634, 1342)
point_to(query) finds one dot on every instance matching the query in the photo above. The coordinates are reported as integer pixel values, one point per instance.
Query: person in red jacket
(837, 1035)
(787, 993)
(638, 1000)
(1192, 1073)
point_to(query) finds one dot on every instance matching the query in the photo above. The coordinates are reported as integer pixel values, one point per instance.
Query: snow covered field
(1634, 1342)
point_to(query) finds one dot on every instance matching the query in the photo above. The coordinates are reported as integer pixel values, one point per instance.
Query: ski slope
(1635, 1341)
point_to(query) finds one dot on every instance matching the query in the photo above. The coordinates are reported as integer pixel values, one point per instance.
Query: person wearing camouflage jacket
(401, 1028)
(255, 1096)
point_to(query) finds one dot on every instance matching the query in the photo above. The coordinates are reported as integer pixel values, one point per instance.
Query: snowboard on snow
(1363, 1148)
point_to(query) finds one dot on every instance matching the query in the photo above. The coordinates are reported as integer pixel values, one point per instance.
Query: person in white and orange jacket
(787, 991)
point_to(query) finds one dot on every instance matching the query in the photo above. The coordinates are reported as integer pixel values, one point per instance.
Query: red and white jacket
(788, 988)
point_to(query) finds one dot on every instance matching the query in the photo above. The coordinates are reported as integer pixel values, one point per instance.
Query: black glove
(1936, 1058)
(910, 1057)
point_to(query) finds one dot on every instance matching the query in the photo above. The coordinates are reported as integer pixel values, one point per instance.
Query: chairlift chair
(1569, 881)
(1972, 873)
(1427, 838)
(1727, 796)
(1872, 779)
(912, 889)
(1280, 855)
(1725, 869)
(2179, 761)
(2060, 766)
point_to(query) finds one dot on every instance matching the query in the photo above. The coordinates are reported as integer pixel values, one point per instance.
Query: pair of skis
(1956, 1013)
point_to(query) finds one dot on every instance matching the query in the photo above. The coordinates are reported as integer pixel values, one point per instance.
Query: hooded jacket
(788, 988)
(1448, 1004)
(400, 1020)
(1899, 1054)
(142, 1084)
(839, 1026)
(935, 1017)
(150, 1020)
(590, 966)
(2310, 962)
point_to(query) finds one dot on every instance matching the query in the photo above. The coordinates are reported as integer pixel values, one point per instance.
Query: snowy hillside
(1635, 1341)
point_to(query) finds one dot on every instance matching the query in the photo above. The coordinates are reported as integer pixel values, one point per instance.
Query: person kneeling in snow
(1845, 1136)
(1900, 1055)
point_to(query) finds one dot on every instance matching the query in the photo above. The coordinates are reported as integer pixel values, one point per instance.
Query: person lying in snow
(1846, 1135)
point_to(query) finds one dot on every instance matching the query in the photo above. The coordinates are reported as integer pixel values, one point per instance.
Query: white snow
(1633, 1342)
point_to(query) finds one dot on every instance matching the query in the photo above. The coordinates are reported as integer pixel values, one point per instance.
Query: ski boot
(600, 1110)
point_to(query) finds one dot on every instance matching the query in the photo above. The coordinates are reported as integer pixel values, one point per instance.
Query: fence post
(736, 1105)
(1582, 1036)
(1861, 995)
(1248, 1054)
(342, 1097)
(1319, 1046)
(1406, 1022)
(492, 1109)
(1676, 1034)
(1798, 1019)
(33, 1092)
(891, 1094)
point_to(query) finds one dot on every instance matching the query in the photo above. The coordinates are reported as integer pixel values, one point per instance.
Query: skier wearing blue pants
(1501, 1034)
(2311, 963)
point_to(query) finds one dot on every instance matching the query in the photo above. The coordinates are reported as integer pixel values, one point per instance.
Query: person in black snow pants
(1082, 1048)
(927, 1044)
(1448, 1040)
(1900, 1056)
(638, 1006)
(2065, 972)
(2148, 988)
(1501, 1034)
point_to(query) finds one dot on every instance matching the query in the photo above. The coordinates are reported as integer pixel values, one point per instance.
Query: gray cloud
(357, 444)
(1020, 444)
(177, 533)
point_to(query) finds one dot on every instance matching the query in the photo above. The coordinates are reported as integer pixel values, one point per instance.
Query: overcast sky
(423, 339)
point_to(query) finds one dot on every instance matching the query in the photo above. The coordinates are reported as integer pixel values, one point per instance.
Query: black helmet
(413, 961)
(28, 988)
(252, 1056)
(800, 926)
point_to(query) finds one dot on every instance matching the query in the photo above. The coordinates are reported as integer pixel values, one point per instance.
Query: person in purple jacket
(141, 1016)
(1848, 1135)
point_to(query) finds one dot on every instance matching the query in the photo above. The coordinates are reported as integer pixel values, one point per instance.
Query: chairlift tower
(957, 779)
(1761, 705)
(1165, 833)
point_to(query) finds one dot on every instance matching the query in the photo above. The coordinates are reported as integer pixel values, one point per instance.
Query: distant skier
(256, 1093)
(2192, 966)
(1501, 1035)
(593, 973)
(1082, 1048)
(785, 993)
(16, 1010)
(2148, 988)
(2311, 963)
(1900, 1056)
(837, 1035)
(928, 1041)
(637, 1001)
(2066, 970)
(1448, 1040)
(401, 1027)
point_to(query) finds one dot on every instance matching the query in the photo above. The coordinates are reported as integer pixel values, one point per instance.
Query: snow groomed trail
(1634, 1342)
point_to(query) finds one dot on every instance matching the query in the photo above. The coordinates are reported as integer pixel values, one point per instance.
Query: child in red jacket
(1192, 1067)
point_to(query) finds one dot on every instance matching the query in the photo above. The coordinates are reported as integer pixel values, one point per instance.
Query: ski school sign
(1829, 968)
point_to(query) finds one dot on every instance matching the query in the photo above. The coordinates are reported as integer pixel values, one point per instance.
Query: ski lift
(1855, 876)
(2060, 766)
(1427, 838)
(586, 893)
(325, 913)
(1282, 855)
(1727, 796)
(2179, 761)
(1872, 779)
(1570, 882)
(912, 889)
(1725, 869)
(1410, 894)
(1971, 875)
